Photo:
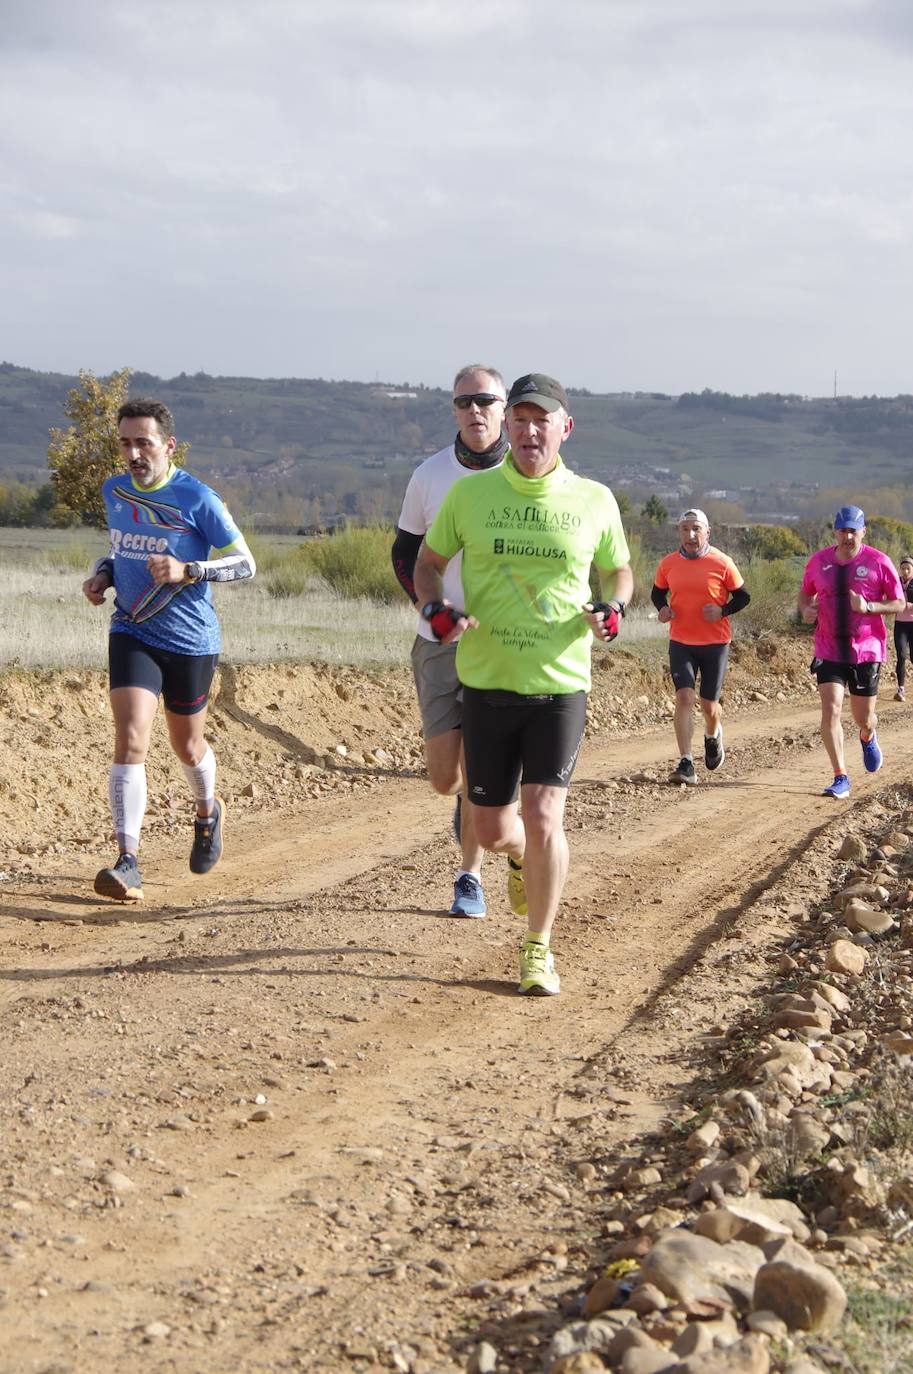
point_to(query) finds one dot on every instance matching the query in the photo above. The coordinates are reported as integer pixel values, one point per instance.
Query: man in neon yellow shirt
(530, 531)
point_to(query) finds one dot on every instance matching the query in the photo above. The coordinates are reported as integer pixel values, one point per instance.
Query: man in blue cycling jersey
(164, 640)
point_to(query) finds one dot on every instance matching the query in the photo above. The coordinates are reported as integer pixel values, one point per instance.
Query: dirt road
(291, 1117)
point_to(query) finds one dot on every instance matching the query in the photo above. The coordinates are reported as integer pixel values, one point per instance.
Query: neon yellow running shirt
(528, 544)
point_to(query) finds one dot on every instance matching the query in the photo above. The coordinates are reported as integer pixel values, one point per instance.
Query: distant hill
(294, 452)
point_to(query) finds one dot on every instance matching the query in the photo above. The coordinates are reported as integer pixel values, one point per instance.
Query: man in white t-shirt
(479, 396)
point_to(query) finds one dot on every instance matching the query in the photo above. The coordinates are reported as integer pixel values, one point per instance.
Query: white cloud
(636, 193)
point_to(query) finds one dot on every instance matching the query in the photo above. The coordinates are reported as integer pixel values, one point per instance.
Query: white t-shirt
(428, 485)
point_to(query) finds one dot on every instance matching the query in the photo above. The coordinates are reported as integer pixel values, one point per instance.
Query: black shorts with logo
(182, 680)
(511, 739)
(686, 661)
(860, 679)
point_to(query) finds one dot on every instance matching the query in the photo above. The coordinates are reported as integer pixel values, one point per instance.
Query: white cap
(697, 517)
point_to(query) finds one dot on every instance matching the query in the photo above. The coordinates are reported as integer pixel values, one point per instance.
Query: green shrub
(356, 562)
(289, 579)
(774, 588)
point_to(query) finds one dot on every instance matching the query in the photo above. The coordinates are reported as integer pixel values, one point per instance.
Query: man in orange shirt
(695, 591)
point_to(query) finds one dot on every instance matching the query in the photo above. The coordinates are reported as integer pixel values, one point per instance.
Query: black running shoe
(122, 882)
(207, 839)
(714, 753)
(685, 773)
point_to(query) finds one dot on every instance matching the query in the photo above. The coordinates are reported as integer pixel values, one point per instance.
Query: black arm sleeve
(738, 600)
(659, 596)
(404, 553)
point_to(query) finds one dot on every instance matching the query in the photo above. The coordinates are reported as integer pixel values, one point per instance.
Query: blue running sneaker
(840, 787)
(468, 897)
(871, 754)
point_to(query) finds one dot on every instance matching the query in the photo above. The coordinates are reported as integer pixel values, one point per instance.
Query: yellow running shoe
(516, 888)
(537, 971)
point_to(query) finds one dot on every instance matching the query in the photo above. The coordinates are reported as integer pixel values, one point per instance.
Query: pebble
(156, 1331)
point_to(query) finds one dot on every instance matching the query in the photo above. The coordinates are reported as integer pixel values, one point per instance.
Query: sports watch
(193, 572)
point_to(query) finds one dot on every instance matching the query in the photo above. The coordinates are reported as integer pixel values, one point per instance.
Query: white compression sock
(127, 796)
(202, 778)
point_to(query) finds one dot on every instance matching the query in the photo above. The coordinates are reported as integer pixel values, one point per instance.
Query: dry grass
(46, 622)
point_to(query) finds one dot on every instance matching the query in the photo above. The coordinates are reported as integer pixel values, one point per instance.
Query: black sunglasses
(481, 398)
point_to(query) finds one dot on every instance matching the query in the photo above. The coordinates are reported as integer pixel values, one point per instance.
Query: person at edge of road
(164, 635)
(903, 626)
(696, 591)
(846, 591)
(530, 531)
(479, 396)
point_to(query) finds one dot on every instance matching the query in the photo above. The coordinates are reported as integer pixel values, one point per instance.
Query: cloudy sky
(629, 194)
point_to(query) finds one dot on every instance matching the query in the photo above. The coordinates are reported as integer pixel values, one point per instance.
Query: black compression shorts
(686, 661)
(182, 680)
(509, 739)
(860, 679)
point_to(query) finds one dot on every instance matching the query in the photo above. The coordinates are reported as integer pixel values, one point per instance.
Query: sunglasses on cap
(483, 399)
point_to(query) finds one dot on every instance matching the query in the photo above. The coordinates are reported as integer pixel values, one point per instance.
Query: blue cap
(849, 518)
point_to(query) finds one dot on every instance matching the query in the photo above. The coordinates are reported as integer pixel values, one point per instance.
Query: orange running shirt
(692, 583)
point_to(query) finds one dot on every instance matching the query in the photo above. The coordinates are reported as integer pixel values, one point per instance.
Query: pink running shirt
(843, 635)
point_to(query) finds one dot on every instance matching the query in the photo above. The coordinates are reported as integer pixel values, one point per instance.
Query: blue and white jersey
(182, 517)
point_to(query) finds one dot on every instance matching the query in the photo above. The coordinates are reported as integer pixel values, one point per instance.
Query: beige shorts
(440, 692)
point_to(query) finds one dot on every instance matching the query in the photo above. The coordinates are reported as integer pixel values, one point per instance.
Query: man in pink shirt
(846, 592)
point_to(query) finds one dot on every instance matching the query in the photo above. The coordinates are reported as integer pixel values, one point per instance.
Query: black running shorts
(509, 739)
(860, 679)
(182, 680)
(687, 661)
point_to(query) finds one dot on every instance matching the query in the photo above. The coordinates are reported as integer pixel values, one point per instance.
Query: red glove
(611, 618)
(441, 618)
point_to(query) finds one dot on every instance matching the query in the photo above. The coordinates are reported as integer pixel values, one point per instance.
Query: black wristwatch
(431, 608)
(193, 572)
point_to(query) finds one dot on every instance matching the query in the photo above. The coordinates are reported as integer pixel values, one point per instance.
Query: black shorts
(686, 661)
(509, 739)
(182, 680)
(860, 679)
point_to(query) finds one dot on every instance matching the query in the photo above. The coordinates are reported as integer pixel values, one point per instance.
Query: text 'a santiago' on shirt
(528, 544)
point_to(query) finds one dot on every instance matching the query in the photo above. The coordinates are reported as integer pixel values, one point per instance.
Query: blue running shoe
(468, 897)
(871, 754)
(840, 787)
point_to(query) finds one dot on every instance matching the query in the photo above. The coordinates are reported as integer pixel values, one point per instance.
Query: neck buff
(488, 458)
(700, 553)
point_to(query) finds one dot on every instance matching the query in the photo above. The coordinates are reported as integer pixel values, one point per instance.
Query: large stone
(833, 996)
(642, 1361)
(703, 1139)
(851, 848)
(700, 1274)
(605, 1293)
(901, 1042)
(807, 1135)
(754, 1219)
(805, 1295)
(795, 1019)
(583, 1362)
(789, 1057)
(859, 916)
(845, 957)
(728, 1175)
(747, 1356)
(598, 1335)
